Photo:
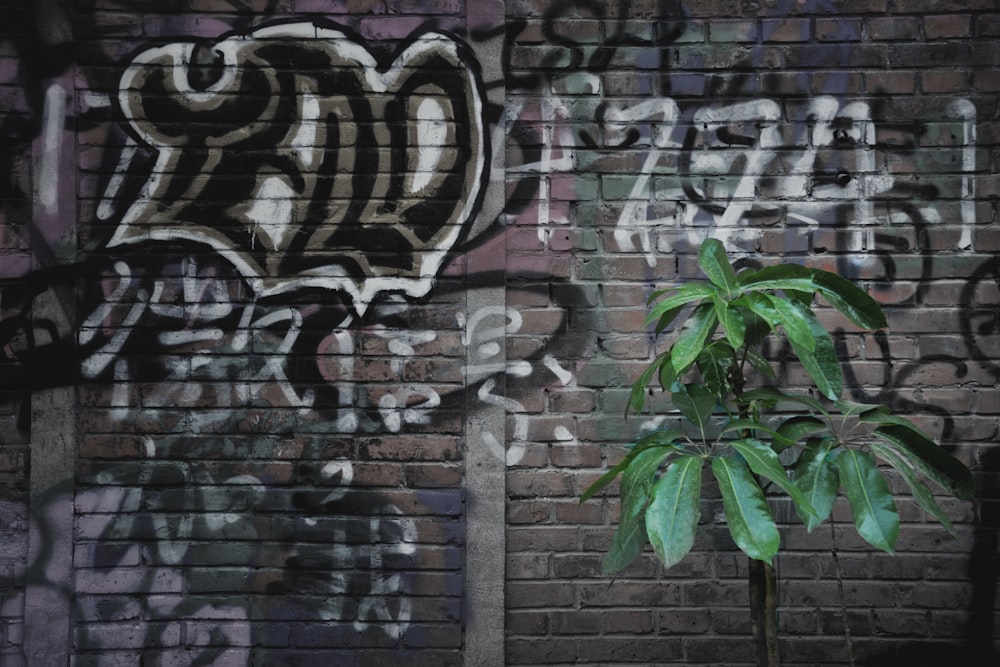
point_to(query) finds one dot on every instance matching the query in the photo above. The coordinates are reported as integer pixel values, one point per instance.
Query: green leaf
(659, 438)
(763, 461)
(804, 298)
(714, 261)
(762, 306)
(866, 411)
(672, 516)
(921, 494)
(668, 378)
(690, 287)
(816, 475)
(797, 321)
(637, 483)
(693, 337)
(637, 397)
(752, 426)
(626, 545)
(696, 403)
(871, 501)
(779, 277)
(759, 363)
(747, 513)
(666, 318)
(685, 294)
(733, 322)
(778, 396)
(757, 328)
(822, 363)
(852, 301)
(927, 457)
(798, 427)
(716, 364)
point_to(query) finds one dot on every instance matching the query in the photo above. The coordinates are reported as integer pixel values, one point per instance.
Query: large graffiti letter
(304, 163)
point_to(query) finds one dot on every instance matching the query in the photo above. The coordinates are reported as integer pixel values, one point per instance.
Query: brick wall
(317, 317)
(848, 136)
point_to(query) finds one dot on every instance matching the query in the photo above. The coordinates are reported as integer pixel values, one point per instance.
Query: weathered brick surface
(913, 223)
(271, 312)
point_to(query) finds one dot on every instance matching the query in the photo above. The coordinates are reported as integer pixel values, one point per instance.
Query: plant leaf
(796, 321)
(821, 363)
(637, 397)
(637, 483)
(921, 494)
(693, 337)
(759, 363)
(747, 425)
(929, 458)
(868, 494)
(683, 295)
(696, 403)
(659, 438)
(761, 306)
(763, 461)
(852, 301)
(816, 475)
(668, 378)
(716, 363)
(779, 277)
(714, 261)
(666, 318)
(866, 412)
(747, 513)
(778, 396)
(672, 516)
(733, 322)
(797, 427)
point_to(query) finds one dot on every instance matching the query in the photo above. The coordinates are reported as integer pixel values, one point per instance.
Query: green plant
(755, 438)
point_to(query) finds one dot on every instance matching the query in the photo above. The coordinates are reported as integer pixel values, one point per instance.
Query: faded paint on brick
(314, 278)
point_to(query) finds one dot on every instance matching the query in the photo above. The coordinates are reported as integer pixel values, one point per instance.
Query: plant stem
(843, 597)
(764, 613)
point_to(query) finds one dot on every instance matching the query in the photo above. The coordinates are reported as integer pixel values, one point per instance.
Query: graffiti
(659, 157)
(138, 537)
(339, 184)
(334, 174)
(275, 328)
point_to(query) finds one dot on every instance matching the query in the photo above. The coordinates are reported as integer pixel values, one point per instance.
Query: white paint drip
(965, 111)
(272, 211)
(431, 133)
(53, 119)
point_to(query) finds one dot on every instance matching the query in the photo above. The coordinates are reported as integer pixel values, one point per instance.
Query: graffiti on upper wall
(735, 167)
(296, 157)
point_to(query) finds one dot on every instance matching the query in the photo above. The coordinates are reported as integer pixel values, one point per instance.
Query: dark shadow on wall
(983, 568)
(978, 649)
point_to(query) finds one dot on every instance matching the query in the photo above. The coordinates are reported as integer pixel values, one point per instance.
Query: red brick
(947, 26)
(894, 28)
(944, 82)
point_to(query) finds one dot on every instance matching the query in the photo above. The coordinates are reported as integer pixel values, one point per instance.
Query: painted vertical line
(965, 111)
(106, 208)
(52, 468)
(49, 161)
(545, 167)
